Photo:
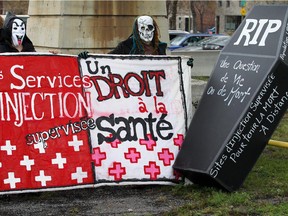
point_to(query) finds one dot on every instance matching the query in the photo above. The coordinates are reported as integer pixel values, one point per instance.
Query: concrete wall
(18, 7)
(204, 61)
(97, 26)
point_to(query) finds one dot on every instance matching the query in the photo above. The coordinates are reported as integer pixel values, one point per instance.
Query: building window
(232, 23)
(220, 3)
(227, 3)
(179, 23)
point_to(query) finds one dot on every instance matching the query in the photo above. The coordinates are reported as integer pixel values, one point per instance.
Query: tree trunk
(172, 8)
(194, 17)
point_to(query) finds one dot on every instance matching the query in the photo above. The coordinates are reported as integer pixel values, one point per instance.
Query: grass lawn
(264, 191)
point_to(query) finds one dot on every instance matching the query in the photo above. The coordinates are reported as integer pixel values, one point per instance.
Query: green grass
(203, 78)
(264, 191)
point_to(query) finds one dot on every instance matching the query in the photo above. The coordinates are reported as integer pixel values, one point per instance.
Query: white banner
(72, 123)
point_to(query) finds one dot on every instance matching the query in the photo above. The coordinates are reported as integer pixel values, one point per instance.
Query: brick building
(225, 15)
(184, 18)
(229, 14)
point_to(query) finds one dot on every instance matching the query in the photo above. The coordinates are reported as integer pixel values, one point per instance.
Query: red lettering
(127, 85)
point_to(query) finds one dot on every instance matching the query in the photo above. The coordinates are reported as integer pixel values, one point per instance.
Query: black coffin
(242, 104)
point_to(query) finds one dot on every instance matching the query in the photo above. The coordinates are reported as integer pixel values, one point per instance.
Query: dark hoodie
(6, 44)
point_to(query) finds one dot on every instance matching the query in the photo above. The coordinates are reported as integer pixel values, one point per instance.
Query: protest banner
(106, 120)
(243, 102)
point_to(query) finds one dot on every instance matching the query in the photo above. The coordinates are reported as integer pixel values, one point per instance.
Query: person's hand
(83, 54)
(190, 62)
(53, 52)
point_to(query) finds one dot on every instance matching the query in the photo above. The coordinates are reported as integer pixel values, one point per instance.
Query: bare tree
(172, 9)
(199, 10)
(194, 15)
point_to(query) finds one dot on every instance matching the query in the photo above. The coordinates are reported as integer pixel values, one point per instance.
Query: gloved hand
(83, 54)
(190, 62)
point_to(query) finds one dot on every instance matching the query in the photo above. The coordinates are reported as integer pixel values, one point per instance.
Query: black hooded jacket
(6, 44)
(125, 47)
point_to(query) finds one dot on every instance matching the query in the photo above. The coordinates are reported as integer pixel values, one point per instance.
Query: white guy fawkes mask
(146, 28)
(18, 31)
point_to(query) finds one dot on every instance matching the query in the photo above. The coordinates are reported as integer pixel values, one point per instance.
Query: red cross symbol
(179, 140)
(166, 156)
(132, 155)
(115, 143)
(98, 156)
(152, 169)
(117, 171)
(149, 143)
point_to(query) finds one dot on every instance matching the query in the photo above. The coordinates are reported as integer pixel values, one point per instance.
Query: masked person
(13, 36)
(144, 40)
